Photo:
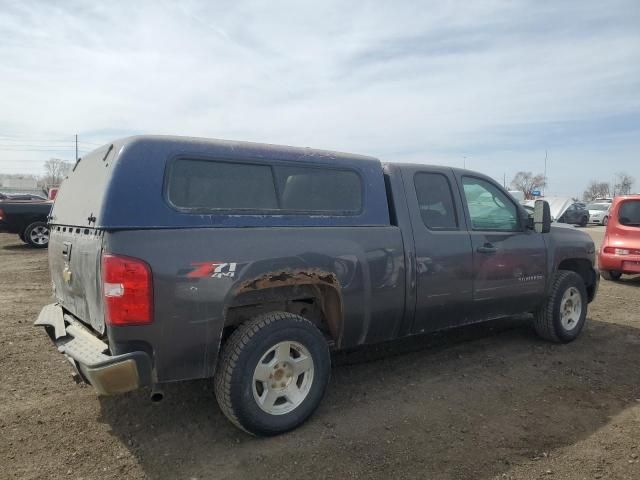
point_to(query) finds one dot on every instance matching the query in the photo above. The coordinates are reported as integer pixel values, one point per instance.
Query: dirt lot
(483, 402)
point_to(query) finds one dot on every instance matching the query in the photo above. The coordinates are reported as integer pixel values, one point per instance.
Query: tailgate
(74, 262)
(75, 241)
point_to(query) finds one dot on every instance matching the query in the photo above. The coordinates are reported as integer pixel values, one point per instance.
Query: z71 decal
(213, 270)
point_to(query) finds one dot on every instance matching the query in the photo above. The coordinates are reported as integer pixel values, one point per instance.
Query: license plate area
(632, 266)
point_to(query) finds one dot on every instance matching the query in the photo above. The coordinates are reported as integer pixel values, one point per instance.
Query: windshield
(629, 213)
(598, 206)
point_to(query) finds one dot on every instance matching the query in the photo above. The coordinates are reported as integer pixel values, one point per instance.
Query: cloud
(496, 82)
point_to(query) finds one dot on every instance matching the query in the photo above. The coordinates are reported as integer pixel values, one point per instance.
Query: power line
(70, 160)
(52, 147)
(55, 137)
(43, 144)
(38, 147)
(44, 149)
(32, 140)
(6, 138)
(22, 138)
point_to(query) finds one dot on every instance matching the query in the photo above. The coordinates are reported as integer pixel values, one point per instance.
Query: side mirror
(542, 217)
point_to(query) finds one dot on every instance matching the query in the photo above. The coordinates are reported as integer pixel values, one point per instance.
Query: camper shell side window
(196, 185)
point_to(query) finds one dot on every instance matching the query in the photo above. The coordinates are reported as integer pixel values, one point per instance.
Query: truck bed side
(195, 284)
(213, 269)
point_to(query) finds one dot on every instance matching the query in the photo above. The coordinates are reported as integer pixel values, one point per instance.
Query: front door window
(489, 208)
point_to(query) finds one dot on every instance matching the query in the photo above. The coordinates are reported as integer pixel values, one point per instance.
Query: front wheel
(605, 221)
(562, 316)
(272, 373)
(584, 222)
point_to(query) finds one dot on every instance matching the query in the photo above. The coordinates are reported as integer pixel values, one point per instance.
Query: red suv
(620, 251)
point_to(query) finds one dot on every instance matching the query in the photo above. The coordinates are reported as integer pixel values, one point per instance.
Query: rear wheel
(272, 373)
(610, 274)
(37, 235)
(562, 316)
(605, 220)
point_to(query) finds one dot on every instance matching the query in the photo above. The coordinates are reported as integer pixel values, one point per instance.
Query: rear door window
(629, 213)
(435, 201)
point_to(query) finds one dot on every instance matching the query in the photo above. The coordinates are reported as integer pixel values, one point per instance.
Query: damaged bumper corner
(108, 374)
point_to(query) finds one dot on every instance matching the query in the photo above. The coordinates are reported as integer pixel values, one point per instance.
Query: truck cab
(178, 258)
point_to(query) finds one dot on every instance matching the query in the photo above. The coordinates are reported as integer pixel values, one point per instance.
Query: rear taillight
(621, 251)
(1, 214)
(127, 287)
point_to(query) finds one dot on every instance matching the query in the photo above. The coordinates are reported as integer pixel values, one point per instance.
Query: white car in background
(599, 213)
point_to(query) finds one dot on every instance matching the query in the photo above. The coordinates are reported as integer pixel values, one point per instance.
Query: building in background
(20, 184)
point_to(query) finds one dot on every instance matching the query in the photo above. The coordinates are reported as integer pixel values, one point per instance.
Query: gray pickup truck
(178, 258)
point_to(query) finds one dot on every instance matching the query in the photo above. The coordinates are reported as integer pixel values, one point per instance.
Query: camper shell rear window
(204, 185)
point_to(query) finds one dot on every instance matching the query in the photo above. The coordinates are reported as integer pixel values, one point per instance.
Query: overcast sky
(488, 83)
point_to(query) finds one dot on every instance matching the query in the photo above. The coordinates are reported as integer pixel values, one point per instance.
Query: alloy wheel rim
(39, 235)
(570, 308)
(283, 377)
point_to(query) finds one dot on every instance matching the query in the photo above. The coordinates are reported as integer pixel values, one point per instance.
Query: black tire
(21, 236)
(548, 320)
(605, 220)
(611, 275)
(584, 222)
(36, 235)
(234, 383)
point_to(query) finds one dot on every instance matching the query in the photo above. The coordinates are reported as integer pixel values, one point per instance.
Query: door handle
(487, 248)
(66, 251)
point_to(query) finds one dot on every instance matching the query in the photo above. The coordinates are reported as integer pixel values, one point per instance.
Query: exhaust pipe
(156, 395)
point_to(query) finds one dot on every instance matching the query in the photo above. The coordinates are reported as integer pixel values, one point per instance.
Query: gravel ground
(482, 402)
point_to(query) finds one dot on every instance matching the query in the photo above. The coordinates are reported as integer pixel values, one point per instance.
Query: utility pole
(545, 171)
(76, 147)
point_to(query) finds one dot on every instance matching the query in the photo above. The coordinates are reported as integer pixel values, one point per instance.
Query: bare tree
(527, 182)
(56, 169)
(595, 190)
(624, 182)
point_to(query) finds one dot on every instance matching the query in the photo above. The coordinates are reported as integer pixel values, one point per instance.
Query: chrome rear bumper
(108, 374)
